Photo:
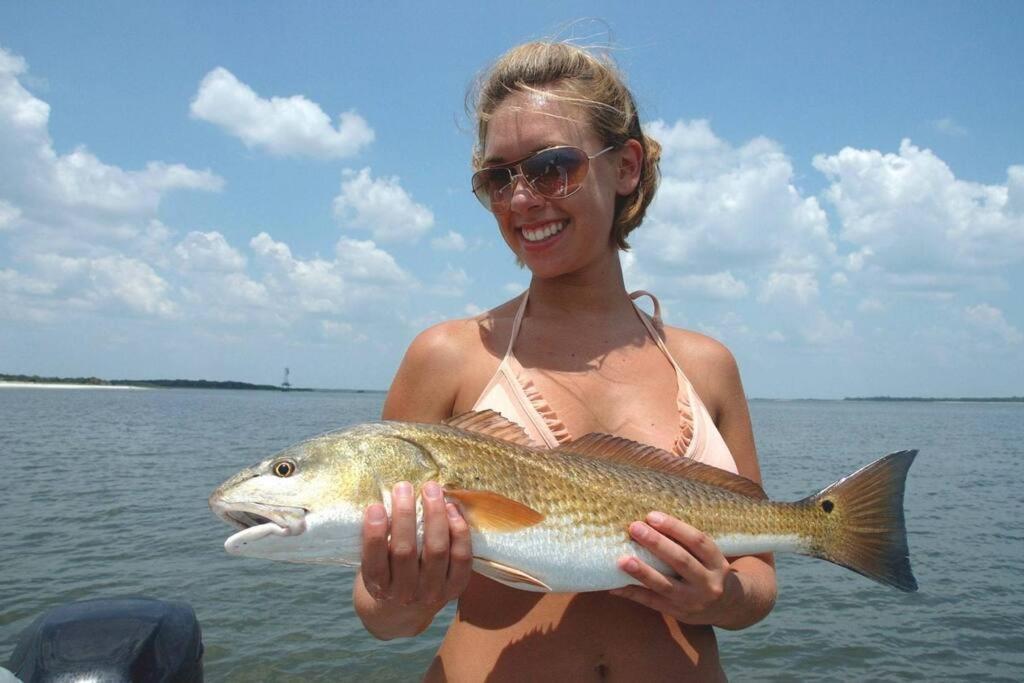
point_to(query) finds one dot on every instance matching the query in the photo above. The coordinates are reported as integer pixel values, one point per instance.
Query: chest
(627, 387)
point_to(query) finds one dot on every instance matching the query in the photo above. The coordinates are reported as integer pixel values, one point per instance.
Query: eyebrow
(500, 161)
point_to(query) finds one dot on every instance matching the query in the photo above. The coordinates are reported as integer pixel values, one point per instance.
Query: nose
(524, 197)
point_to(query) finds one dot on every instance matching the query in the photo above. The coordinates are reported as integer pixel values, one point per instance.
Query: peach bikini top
(513, 394)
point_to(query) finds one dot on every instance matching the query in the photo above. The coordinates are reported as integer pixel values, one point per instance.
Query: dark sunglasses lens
(556, 172)
(491, 184)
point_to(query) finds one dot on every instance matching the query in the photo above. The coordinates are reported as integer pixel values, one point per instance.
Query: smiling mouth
(534, 234)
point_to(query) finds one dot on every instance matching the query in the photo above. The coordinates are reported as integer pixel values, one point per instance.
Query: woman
(567, 172)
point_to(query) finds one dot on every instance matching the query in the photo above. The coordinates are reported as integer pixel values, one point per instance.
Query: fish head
(306, 503)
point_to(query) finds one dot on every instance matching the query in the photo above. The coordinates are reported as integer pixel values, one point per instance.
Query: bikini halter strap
(517, 322)
(653, 324)
(654, 300)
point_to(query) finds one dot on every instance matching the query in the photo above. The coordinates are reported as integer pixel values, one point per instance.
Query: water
(105, 495)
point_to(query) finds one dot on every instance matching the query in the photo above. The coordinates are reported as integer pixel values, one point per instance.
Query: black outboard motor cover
(119, 639)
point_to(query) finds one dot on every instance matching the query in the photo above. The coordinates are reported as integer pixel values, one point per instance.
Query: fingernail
(431, 490)
(656, 517)
(630, 565)
(638, 530)
(375, 513)
(403, 489)
(453, 512)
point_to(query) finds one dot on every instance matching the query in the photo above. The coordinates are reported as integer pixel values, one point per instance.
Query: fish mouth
(243, 515)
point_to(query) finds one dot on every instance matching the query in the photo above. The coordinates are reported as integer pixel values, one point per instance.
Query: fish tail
(863, 527)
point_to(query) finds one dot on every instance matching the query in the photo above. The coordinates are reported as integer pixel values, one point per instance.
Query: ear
(631, 160)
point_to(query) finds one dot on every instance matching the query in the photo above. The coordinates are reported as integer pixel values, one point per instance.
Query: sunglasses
(553, 173)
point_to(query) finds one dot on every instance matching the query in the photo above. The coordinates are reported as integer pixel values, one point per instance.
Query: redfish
(553, 520)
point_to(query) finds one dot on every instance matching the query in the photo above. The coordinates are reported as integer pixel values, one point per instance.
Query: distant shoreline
(4, 384)
(35, 381)
(928, 399)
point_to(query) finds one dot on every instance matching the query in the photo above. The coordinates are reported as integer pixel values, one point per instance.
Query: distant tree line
(152, 383)
(976, 399)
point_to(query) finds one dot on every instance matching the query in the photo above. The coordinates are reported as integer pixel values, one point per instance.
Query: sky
(224, 190)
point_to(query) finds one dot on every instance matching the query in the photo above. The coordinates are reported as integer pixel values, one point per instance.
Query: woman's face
(554, 236)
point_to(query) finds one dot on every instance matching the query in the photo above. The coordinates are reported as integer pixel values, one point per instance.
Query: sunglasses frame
(516, 171)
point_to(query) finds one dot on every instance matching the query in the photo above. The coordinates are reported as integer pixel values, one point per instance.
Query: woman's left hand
(706, 582)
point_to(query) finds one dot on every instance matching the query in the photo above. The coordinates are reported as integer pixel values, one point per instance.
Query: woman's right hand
(400, 589)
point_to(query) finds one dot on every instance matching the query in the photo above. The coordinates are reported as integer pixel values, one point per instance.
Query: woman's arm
(731, 593)
(399, 589)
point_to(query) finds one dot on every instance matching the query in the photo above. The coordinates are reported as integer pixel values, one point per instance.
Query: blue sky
(221, 191)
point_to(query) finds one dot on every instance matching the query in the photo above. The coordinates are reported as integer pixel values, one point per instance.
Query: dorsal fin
(490, 423)
(629, 452)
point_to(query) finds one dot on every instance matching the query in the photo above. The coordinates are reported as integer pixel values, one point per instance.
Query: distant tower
(286, 385)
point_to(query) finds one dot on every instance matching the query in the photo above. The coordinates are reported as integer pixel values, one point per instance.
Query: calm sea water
(105, 495)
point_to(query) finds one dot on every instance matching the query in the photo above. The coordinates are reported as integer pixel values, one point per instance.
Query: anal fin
(510, 576)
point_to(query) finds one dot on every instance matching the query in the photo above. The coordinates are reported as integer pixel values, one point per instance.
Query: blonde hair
(590, 81)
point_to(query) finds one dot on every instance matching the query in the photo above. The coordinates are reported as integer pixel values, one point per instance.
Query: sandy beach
(42, 385)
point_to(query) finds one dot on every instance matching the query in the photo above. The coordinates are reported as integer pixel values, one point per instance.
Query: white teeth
(543, 233)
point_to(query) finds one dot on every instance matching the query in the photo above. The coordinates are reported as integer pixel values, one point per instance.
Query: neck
(596, 290)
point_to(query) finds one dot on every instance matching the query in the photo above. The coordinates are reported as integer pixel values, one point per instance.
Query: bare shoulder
(443, 364)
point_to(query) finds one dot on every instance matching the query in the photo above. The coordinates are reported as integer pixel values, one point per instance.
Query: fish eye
(283, 468)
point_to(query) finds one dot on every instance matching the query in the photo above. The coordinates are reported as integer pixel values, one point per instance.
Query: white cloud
(453, 241)
(339, 330)
(991, 320)
(361, 272)
(84, 232)
(75, 197)
(908, 211)
(822, 330)
(721, 206)
(716, 286)
(8, 215)
(789, 287)
(513, 288)
(284, 126)
(364, 260)
(315, 285)
(452, 282)
(380, 206)
(108, 282)
(870, 305)
(208, 251)
(947, 126)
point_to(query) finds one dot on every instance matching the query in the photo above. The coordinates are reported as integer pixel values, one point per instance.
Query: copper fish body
(552, 520)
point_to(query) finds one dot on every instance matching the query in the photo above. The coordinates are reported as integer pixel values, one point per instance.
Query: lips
(290, 520)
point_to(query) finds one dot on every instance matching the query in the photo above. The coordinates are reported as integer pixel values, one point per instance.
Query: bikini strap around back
(651, 329)
(516, 322)
(654, 300)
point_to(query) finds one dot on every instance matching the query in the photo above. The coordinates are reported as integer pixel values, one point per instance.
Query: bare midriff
(502, 634)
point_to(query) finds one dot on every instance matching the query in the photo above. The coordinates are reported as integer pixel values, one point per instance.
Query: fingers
(460, 553)
(695, 541)
(647, 575)
(434, 556)
(404, 558)
(688, 551)
(375, 564)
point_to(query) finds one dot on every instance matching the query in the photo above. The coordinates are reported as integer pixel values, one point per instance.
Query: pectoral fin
(490, 511)
(510, 576)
